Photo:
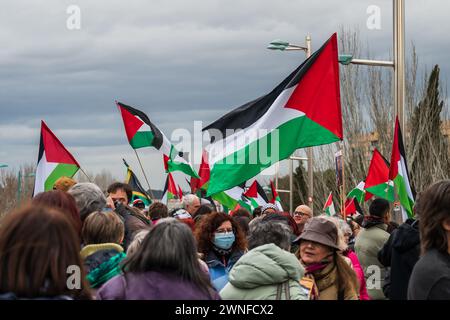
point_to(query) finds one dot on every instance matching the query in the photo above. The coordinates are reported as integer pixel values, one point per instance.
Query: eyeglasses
(301, 214)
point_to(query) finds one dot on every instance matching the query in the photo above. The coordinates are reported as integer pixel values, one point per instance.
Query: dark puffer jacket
(400, 253)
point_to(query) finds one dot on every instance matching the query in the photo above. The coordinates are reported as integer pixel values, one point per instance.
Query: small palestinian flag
(233, 198)
(359, 193)
(256, 195)
(170, 189)
(304, 110)
(377, 180)
(398, 172)
(203, 173)
(275, 197)
(138, 191)
(54, 161)
(141, 132)
(328, 208)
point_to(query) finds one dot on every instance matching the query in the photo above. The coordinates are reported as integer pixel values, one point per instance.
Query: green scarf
(105, 271)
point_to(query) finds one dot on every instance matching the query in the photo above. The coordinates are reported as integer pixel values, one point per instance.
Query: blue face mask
(224, 240)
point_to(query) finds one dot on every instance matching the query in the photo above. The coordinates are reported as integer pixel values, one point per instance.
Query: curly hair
(204, 232)
(433, 207)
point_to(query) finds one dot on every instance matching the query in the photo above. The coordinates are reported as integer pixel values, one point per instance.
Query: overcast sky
(178, 61)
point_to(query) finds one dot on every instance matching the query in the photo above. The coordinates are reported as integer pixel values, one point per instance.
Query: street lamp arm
(379, 63)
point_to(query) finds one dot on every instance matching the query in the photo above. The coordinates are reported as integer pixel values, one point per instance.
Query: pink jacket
(359, 273)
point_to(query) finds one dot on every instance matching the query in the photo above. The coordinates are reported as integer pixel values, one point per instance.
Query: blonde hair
(102, 227)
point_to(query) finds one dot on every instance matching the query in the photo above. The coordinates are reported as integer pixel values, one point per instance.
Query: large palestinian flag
(304, 110)
(377, 180)
(54, 161)
(256, 195)
(141, 132)
(276, 200)
(398, 172)
(138, 191)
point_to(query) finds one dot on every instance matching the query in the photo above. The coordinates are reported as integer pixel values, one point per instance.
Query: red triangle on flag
(131, 122)
(318, 91)
(54, 150)
(252, 192)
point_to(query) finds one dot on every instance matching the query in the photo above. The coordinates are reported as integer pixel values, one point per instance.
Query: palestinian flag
(398, 172)
(377, 180)
(138, 191)
(233, 198)
(352, 206)
(359, 193)
(54, 161)
(328, 208)
(304, 110)
(256, 195)
(170, 189)
(141, 132)
(203, 173)
(275, 197)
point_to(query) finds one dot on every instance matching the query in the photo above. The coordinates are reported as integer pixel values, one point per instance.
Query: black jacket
(430, 279)
(133, 223)
(400, 253)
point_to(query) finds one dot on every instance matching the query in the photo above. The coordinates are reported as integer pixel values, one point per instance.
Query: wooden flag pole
(145, 176)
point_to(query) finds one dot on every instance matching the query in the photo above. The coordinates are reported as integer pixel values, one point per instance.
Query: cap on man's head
(268, 206)
(64, 184)
(138, 203)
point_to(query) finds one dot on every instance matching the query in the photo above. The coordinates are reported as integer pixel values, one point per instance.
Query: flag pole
(145, 176)
(82, 171)
(343, 178)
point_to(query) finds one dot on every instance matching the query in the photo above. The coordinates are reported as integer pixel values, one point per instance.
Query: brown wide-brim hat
(321, 231)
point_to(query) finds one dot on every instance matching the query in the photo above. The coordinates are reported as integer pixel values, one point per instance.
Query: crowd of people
(78, 242)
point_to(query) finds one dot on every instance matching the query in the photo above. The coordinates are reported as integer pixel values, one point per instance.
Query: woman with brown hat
(328, 275)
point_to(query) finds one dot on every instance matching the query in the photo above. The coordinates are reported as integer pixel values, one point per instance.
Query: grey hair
(137, 240)
(88, 197)
(189, 200)
(264, 232)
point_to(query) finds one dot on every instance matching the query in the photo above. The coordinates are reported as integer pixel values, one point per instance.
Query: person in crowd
(201, 212)
(369, 242)
(119, 195)
(268, 208)
(169, 270)
(183, 216)
(63, 201)
(102, 234)
(301, 215)
(241, 212)
(88, 197)
(137, 241)
(156, 211)
(38, 247)
(256, 212)
(64, 184)
(191, 203)
(331, 277)
(243, 223)
(268, 271)
(430, 278)
(221, 242)
(400, 253)
(286, 219)
(344, 233)
(354, 222)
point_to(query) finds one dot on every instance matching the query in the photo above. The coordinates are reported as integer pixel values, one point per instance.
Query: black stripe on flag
(158, 137)
(247, 114)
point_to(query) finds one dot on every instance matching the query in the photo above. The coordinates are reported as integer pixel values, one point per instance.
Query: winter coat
(219, 268)
(359, 274)
(369, 242)
(430, 278)
(259, 274)
(152, 285)
(401, 252)
(102, 262)
(133, 223)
